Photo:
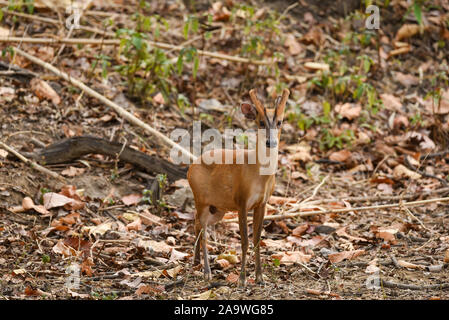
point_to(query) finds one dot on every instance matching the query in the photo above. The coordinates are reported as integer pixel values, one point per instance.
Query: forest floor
(365, 133)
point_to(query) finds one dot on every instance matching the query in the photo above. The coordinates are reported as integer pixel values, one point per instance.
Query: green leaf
(196, 64)
(326, 108)
(418, 11)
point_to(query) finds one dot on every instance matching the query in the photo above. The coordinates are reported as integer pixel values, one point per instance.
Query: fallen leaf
(342, 155)
(136, 225)
(300, 230)
(73, 171)
(442, 108)
(177, 255)
(4, 32)
(159, 98)
(28, 204)
(101, 229)
(203, 296)
(232, 258)
(300, 152)
(44, 91)
(348, 110)
(446, 256)
(290, 257)
(316, 66)
(173, 272)
(3, 153)
(314, 292)
(407, 31)
(149, 289)
(61, 248)
(232, 278)
(343, 255)
(275, 244)
(409, 265)
(407, 80)
(149, 218)
(391, 102)
(401, 171)
(399, 51)
(7, 94)
(223, 263)
(54, 200)
(294, 48)
(132, 199)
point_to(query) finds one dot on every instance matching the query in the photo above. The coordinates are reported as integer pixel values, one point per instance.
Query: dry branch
(382, 206)
(33, 164)
(116, 42)
(120, 111)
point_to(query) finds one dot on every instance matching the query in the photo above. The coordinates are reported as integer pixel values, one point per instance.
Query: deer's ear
(248, 110)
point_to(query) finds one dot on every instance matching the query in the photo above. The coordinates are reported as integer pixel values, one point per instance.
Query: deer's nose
(271, 143)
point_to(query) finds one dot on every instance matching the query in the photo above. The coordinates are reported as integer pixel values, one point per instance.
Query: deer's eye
(279, 123)
(262, 124)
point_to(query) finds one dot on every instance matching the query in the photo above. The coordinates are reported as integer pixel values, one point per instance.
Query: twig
(32, 164)
(57, 23)
(120, 111)
(382, 206)
(388, 284)
(116, 42)
(395, 261)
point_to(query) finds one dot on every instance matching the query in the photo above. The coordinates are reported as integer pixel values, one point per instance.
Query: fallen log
(73, 148)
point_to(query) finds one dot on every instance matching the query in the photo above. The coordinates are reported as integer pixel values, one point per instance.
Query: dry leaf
(316, 66)
(399, 51)
(289, 257)
(73, 171)
(409, 265)
(232, 258)
(391, 102)
(7, 94)
(232, 278)
(203, 296)
(101, 229)
(136, 225)
(342, 155)
(223, 263)
(293, 45)
(159, 98)
(300, 152)
(349, 110)
(300, 230)
(132, 199)
(442, 108)
(446, 256)
(28, 204)
(149, 289)
(173, 272)
(44, 91)
(407, 31)
(406, 80)
(177, 255)
(149, 218)
(401, 171)
(54, 200)
(349, 255)
(275, 244)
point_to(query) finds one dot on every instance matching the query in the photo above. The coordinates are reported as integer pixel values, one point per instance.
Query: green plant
(329, 140)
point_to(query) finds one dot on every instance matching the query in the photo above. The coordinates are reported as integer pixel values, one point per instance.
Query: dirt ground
(143, 251)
